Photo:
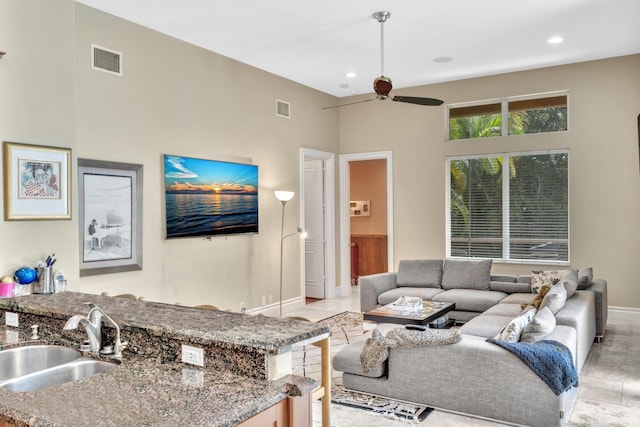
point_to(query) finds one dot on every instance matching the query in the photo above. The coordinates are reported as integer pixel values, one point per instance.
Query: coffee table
(431, 310)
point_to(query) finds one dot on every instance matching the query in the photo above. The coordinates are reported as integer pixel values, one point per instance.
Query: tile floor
(609, 392)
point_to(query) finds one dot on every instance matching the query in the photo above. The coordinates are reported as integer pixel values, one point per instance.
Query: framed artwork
(37, 182)
(110, 211)
(360, 208)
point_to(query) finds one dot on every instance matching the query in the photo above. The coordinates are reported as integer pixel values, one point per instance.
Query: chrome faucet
(92, 323)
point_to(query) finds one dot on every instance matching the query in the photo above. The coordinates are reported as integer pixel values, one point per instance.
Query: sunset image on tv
(209, 197)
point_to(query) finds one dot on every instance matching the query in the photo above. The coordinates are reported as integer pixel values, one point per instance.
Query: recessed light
(443, 59)
(350, 75)
(555, 40)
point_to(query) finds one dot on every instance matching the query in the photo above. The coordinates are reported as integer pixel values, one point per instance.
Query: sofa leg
(599, 338)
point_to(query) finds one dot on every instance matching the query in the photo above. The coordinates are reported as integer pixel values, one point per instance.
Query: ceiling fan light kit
(382, 85)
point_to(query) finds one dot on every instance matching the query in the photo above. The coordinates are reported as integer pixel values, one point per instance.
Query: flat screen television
(209, 197)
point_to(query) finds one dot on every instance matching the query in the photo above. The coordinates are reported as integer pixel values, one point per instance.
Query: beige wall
(178, 99)
(604, 99)
(174, 98)
(368, 181)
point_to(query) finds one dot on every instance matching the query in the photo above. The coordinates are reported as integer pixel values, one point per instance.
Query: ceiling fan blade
(349, 103)
(417, 100)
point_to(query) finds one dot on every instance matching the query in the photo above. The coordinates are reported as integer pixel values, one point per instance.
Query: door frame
(329, 218)
(345, 222)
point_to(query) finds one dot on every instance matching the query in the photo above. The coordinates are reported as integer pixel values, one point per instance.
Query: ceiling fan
(382, 85)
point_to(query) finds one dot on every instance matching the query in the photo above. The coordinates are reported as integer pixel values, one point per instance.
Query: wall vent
(107, 60)
(283, 109)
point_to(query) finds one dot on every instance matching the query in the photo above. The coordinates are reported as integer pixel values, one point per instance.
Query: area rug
(345, 328)
(389, 408)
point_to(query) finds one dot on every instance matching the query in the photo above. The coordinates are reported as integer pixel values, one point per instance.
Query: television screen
(209, 197)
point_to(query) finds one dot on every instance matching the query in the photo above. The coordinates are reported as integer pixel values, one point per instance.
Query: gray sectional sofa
(474, 376)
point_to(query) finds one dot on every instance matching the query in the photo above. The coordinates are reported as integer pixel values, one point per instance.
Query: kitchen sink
(61, 374)
(19, 361)
(40, 366)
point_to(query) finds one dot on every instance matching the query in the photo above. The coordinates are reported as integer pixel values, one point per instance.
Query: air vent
(283, 109)
(106, 60)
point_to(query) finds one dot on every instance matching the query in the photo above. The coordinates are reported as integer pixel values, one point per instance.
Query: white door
(314, 214)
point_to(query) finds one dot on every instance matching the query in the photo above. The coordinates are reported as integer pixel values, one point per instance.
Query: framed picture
(360, 208)
(37, 182)
(110, 211)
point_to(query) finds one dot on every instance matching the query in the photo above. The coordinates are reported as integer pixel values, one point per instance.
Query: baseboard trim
(624, 313)
(273, 310)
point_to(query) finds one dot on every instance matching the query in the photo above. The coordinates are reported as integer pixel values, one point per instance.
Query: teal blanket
(550, 360)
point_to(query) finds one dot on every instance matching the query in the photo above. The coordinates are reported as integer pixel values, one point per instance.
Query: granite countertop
(225, 329)
(145, 393)
(156, 391)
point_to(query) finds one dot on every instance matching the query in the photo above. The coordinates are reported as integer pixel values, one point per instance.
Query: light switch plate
(11, 319)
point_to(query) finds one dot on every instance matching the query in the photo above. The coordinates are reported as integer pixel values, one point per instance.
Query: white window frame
(505, 111)
(506, 205)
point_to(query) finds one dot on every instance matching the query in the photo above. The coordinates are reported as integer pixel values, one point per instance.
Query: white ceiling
(316, 42)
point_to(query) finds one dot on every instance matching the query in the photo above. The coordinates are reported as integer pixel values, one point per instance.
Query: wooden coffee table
(431, 310)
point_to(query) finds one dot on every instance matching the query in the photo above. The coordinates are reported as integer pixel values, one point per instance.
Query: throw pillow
(585, 276)
(555, 298)
(543, 323)
(374, 352)
(570, 282)
(546, 277)
(512, 332)
(419, 273)
(466, 274)
(537, 299)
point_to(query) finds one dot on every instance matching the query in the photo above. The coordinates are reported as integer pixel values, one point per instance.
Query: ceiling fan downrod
(382, 17)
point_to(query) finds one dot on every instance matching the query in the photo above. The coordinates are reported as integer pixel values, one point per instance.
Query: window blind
(509, 207)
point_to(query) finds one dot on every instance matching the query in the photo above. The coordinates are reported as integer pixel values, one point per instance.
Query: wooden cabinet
(291, 412)
(371, 257)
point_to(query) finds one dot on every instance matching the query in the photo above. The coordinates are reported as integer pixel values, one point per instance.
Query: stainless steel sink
(19, 361)
(36, 367)
(65, 373)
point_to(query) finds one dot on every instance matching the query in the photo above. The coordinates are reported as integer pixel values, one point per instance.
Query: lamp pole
(284, 197)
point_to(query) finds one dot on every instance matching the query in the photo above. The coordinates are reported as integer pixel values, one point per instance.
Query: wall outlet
(270, 299)
(11, 319)
(264, 300)
(192, 355)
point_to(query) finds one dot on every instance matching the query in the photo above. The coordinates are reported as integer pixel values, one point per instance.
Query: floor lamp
(284, 197)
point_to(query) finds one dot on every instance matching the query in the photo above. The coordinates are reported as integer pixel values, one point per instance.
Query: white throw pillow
(546, 277)
(512, 332)
(543, 323)
(555, 298)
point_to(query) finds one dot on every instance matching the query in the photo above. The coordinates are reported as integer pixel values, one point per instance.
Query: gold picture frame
(37, 182)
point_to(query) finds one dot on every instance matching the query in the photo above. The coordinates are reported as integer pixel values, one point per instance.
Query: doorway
(318, 220)
(348, 204)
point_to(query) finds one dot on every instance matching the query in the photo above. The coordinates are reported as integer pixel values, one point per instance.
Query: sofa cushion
(507, 310)
(542, 325)
(546, 277)
(471, 299)
(419, 273)
(555, 298)
(503, 278)
(570, 282)
(348, 360)
(509, 287)
(425, 293)
(512, 332)
(485, 325)
(585, 276)
(466, 274)
(518, 298)
(524, 278)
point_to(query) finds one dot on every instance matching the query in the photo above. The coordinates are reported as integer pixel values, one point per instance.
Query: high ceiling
(317, 42)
